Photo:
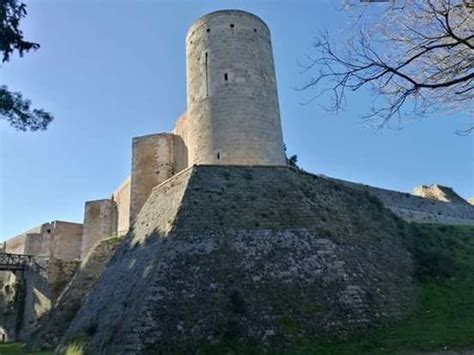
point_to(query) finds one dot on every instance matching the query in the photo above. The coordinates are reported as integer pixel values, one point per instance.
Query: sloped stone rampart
(262, 253)
(53, 325)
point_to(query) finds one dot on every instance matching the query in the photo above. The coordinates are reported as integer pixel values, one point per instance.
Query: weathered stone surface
(12, 298)
(26, 296)
(259, 253)
(153, 161)
(121, 197)
(419, 209)
(43, 281)
(57, 240)
(233, 115)
(53, 324)
(439, 193)
(100, 221)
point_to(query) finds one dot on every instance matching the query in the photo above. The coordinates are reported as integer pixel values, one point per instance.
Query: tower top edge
(223, 13)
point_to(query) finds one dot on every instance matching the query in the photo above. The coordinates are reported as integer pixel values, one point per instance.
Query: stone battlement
(413, 208)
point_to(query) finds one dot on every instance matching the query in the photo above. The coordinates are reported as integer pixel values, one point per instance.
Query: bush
(433, 263)
(435, 249)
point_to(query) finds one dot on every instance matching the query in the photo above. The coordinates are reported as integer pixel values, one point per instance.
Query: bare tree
(416, 56)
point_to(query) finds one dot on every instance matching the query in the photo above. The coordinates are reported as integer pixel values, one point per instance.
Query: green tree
(13, 107)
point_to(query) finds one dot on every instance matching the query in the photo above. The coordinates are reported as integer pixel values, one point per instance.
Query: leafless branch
(414, 56)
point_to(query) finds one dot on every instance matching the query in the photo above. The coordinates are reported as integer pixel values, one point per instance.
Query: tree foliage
(416, 57)
(11, 37)
(18, 112)
(13, 107)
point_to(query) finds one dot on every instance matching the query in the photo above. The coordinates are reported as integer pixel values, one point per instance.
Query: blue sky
(112, 70)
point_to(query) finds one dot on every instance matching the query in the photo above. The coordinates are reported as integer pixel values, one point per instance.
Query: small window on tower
(255, 30)
(226, 76)
(208, 30)
(231, 25)
(218, 156)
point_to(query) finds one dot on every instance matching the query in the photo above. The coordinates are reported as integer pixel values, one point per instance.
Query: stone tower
(232, 101)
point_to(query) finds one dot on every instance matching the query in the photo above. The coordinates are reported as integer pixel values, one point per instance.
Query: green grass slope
(17, 349)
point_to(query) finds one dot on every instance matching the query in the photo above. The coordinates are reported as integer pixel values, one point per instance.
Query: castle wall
(419, 209)
(16, 244)
(11, 300)
(28, 295)
(58, 239)
(121, 196)
(236, 242)
(181, 143)
(233, 112)
(53, 325)
(43, 282)
(181, 127)
(152, 163)
(66, 240)
(100, 221)
(439, 193)
(37, 243)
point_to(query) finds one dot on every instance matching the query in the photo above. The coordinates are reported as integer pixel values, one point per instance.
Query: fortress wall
(181, 127)
(26, 296)
(121, 196)
(181, 143)
(152, 163)
(180, 154)
(66, 240)
(439, 193)
(212, 234)
(54, 324)
(57, 239)
(16, 244)
(37, 244)
(42, 283)
(11, 298)
(100, 221)
(419, 209)
(232, 101)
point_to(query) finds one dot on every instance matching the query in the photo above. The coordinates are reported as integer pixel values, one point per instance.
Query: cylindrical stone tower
(232, 101)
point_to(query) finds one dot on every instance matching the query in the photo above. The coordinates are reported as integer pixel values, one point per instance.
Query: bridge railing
(14, 261)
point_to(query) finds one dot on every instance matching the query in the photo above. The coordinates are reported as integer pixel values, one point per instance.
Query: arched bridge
(14, 262)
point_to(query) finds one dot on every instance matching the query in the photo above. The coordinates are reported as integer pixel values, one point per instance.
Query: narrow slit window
(226, 77)
(232, 25)
(208, 30)
(207, 75)
(255, 30)
(218, 156)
